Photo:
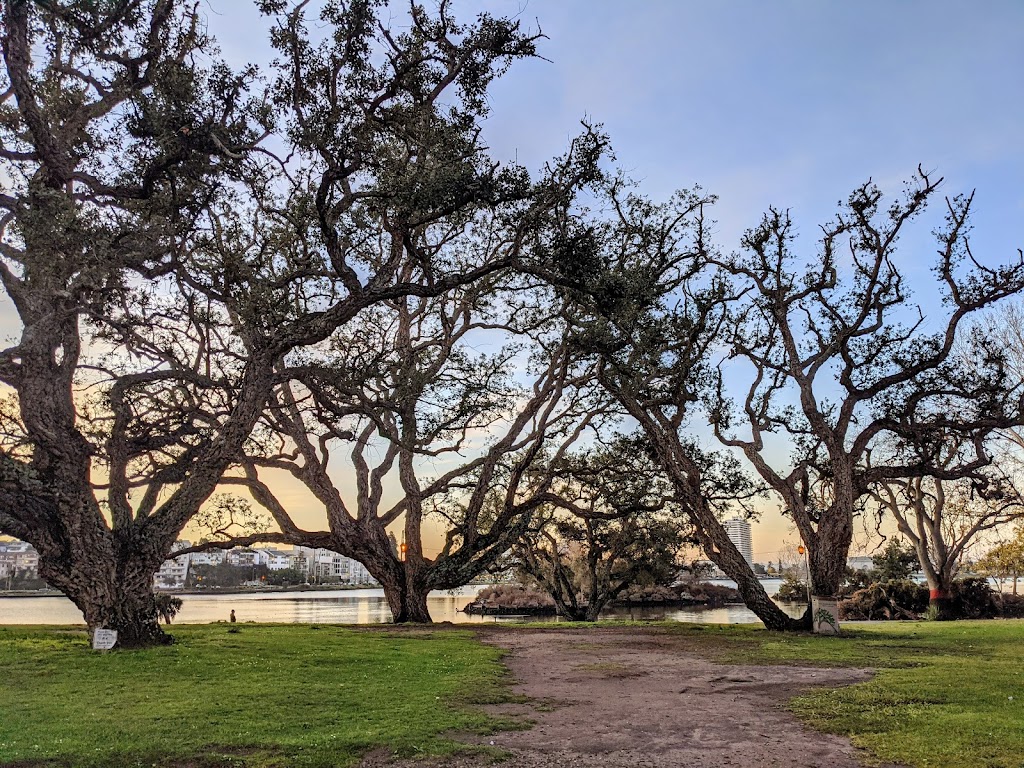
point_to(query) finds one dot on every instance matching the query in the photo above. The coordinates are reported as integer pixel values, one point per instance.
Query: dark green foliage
(792, 590)
(974, 598)
(856, 579)
(286, 577)
(1010, 606)
(226, 575)
(167, 606)
(896, 561)
(23, 579)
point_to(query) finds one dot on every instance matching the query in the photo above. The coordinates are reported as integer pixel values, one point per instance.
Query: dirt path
(633, 699)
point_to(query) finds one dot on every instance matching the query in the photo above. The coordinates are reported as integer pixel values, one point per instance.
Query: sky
(790, 103)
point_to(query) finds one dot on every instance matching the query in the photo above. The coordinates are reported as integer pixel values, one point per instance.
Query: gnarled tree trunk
(685, 476)
(722, 552)
(125, 604)
(828, 547)
(407, 601)
(940, 593)
(405, 585)
(940, 601)
(111, 587)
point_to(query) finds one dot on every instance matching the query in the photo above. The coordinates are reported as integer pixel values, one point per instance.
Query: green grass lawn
(945, 693)
(270, 695)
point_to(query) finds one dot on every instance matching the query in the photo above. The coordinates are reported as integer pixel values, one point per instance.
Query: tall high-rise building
(739, 533)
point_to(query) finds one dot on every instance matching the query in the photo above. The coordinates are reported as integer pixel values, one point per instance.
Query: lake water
(355, 606)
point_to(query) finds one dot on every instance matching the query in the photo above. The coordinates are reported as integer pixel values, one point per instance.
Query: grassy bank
(944, 693)
(264, 696)
(950, 694)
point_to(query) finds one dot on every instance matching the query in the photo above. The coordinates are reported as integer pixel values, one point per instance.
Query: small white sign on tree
(104, 639)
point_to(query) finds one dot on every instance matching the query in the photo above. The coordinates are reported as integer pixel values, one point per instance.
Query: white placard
(104, 639)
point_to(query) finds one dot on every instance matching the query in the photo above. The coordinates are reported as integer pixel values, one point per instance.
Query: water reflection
(357, 606)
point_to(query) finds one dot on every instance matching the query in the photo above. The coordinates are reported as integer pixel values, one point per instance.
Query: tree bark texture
(112, 591)
(406, 595)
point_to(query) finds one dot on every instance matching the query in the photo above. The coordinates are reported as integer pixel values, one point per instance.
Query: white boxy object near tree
(825, 615)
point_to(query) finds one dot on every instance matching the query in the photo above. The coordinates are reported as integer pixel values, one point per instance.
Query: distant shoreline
(210, 590)
(221, 590)
(32, 593)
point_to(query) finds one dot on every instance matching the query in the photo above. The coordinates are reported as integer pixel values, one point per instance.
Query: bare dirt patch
(633, 698)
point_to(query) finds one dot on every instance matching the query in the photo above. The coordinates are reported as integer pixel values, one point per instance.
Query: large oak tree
(402, 424)
(113, 139)
(841, 359)
(190, 238)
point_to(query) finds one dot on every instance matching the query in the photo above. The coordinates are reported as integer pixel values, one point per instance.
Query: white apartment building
(18, 557)
(325, 565)
(739, 533)
(174, 571)
(301, 560)
(243, 557)
(211, 557)
(275, 559)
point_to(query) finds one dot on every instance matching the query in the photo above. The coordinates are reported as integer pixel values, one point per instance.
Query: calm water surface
(356, 606)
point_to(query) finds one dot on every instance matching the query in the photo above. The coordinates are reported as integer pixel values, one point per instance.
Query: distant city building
(240, 556)
(319, 565)
(860, 563)
(18, 558)
(174, 571)
(322, 565)
(212, 557)
(739, 533)
(275, 559)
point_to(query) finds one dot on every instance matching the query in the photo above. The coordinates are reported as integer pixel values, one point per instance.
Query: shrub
(1011, 606)
(713, 594)
(855, 580)
(887, 600)
(506, 597)
(167, 606)
(792, 590)
(908, 595)
(974, 598)
(650, 593)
